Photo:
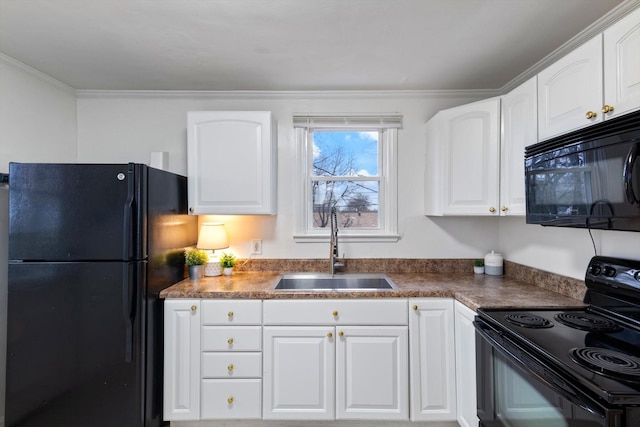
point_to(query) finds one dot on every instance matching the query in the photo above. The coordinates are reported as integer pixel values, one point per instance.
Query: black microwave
(588, 178)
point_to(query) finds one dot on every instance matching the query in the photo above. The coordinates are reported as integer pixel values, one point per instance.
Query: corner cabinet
(462, 160)
(432, 359)
(519, 129)
(597, 81)
(231, 162)
(465, 366)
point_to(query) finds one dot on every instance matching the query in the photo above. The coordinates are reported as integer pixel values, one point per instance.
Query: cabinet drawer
(336, 312)
(232, 312)
(235, 338)
(231, 399)
(231, 365)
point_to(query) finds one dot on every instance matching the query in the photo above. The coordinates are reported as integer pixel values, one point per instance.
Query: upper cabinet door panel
(231, 162)
(622, 66)
(569, 90)
(473, 143)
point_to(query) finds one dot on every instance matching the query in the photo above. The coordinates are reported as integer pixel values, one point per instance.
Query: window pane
(342, 153)
(356, 202)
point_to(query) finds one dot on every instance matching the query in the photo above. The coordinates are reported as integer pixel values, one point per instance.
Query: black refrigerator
(90, 248)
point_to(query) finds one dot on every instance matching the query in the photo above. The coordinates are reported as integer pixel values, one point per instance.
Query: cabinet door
(519, 129)
(231, 161)
(465, 366)
(622, 66)
(299, 372)
(433, 375)
(181, 359)
(569, 89)
(372, 373)
(470, 180)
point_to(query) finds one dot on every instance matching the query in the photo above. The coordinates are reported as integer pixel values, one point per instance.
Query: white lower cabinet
(466, 366)
(181, 399)
(336, 359)
(432, 359)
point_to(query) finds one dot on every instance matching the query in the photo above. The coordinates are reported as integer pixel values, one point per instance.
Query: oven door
(516, 389)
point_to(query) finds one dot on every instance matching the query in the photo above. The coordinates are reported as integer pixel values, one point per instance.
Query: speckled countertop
(472, 290)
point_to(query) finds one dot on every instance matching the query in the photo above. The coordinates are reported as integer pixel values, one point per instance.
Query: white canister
(493, 264)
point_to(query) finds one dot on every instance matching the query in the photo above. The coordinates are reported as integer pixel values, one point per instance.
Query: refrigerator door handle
(129, 309)
(127, 239)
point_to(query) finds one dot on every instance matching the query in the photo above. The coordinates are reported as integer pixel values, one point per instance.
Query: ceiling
(289, 44)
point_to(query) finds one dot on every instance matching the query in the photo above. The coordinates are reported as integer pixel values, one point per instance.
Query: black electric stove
(586, 354)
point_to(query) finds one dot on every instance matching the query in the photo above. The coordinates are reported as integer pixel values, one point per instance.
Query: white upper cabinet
(622, 66)
(519, 129)
(232, 162)
(463, 160)
(570, 91)
(599, 80)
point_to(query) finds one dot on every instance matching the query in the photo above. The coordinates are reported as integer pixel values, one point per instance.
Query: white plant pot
(478, 270)
(228, 271)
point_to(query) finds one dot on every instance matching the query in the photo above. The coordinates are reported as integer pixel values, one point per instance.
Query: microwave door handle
(627, 173)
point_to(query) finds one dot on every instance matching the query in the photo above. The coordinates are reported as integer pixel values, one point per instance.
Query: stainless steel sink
(338, 282)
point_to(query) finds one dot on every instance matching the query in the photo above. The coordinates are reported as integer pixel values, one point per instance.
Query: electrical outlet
(256, 247)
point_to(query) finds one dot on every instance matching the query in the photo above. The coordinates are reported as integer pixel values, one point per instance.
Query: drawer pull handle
(194, 307)
(504, 209)
(230, 341)
(341, 334)
(591, 115)
(329, 335)
(230, 399)
(335, 313)
(607, 109)
(230, 314)
(415, 307)
(230, 367)
(492, 209)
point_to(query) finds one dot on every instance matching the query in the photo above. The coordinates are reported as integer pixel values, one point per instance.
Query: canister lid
(493, 259)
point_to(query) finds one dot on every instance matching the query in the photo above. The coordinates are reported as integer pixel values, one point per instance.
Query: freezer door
(76, 212)
(75, 339)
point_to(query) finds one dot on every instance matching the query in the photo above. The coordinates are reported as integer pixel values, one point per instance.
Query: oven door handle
(627, 174)
(538, 369)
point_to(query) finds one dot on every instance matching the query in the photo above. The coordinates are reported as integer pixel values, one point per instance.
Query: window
(348, 163)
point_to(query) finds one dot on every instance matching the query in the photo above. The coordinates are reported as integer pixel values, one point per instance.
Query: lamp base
(212, 269)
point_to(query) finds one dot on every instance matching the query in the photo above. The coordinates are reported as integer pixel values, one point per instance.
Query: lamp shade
(212, 236)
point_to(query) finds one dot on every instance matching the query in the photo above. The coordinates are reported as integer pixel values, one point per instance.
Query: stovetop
(563, 337)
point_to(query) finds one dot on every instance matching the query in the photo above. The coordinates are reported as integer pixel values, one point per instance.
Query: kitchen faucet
(333, 245)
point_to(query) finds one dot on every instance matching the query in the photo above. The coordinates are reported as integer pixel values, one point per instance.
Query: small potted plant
(227, 262)
(195, 259)
(478, 266)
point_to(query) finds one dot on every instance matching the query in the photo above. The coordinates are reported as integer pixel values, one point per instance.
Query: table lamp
(212, 236)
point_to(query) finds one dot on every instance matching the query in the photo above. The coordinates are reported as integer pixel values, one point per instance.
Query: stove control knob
(595, 269)
(609, 271)
(637, 276)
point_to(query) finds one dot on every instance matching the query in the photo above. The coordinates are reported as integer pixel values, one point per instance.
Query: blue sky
(362, 146)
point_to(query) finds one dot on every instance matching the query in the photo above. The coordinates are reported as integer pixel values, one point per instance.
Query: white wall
(37, 124)
(128, 126)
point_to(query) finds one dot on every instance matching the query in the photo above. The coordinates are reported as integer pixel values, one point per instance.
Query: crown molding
(35, 73)
(588, 33)
(261, 94)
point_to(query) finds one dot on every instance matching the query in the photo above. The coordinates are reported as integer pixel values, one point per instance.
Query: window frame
(387, 177)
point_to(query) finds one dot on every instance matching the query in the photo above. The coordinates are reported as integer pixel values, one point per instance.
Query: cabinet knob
(340, 334)
(230, 314)
(230, 399)
(504, 209)
(230, 341)
(591, 115)
(415, 307)
(492, 209)
(329, 335)
(607, 109)
(191, 210)
(335, 313)
(194, 308)
(230, 367)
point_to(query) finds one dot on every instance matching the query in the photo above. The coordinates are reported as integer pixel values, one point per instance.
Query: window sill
(312, 238)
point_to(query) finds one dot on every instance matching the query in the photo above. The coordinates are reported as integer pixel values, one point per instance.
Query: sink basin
(338, 282)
